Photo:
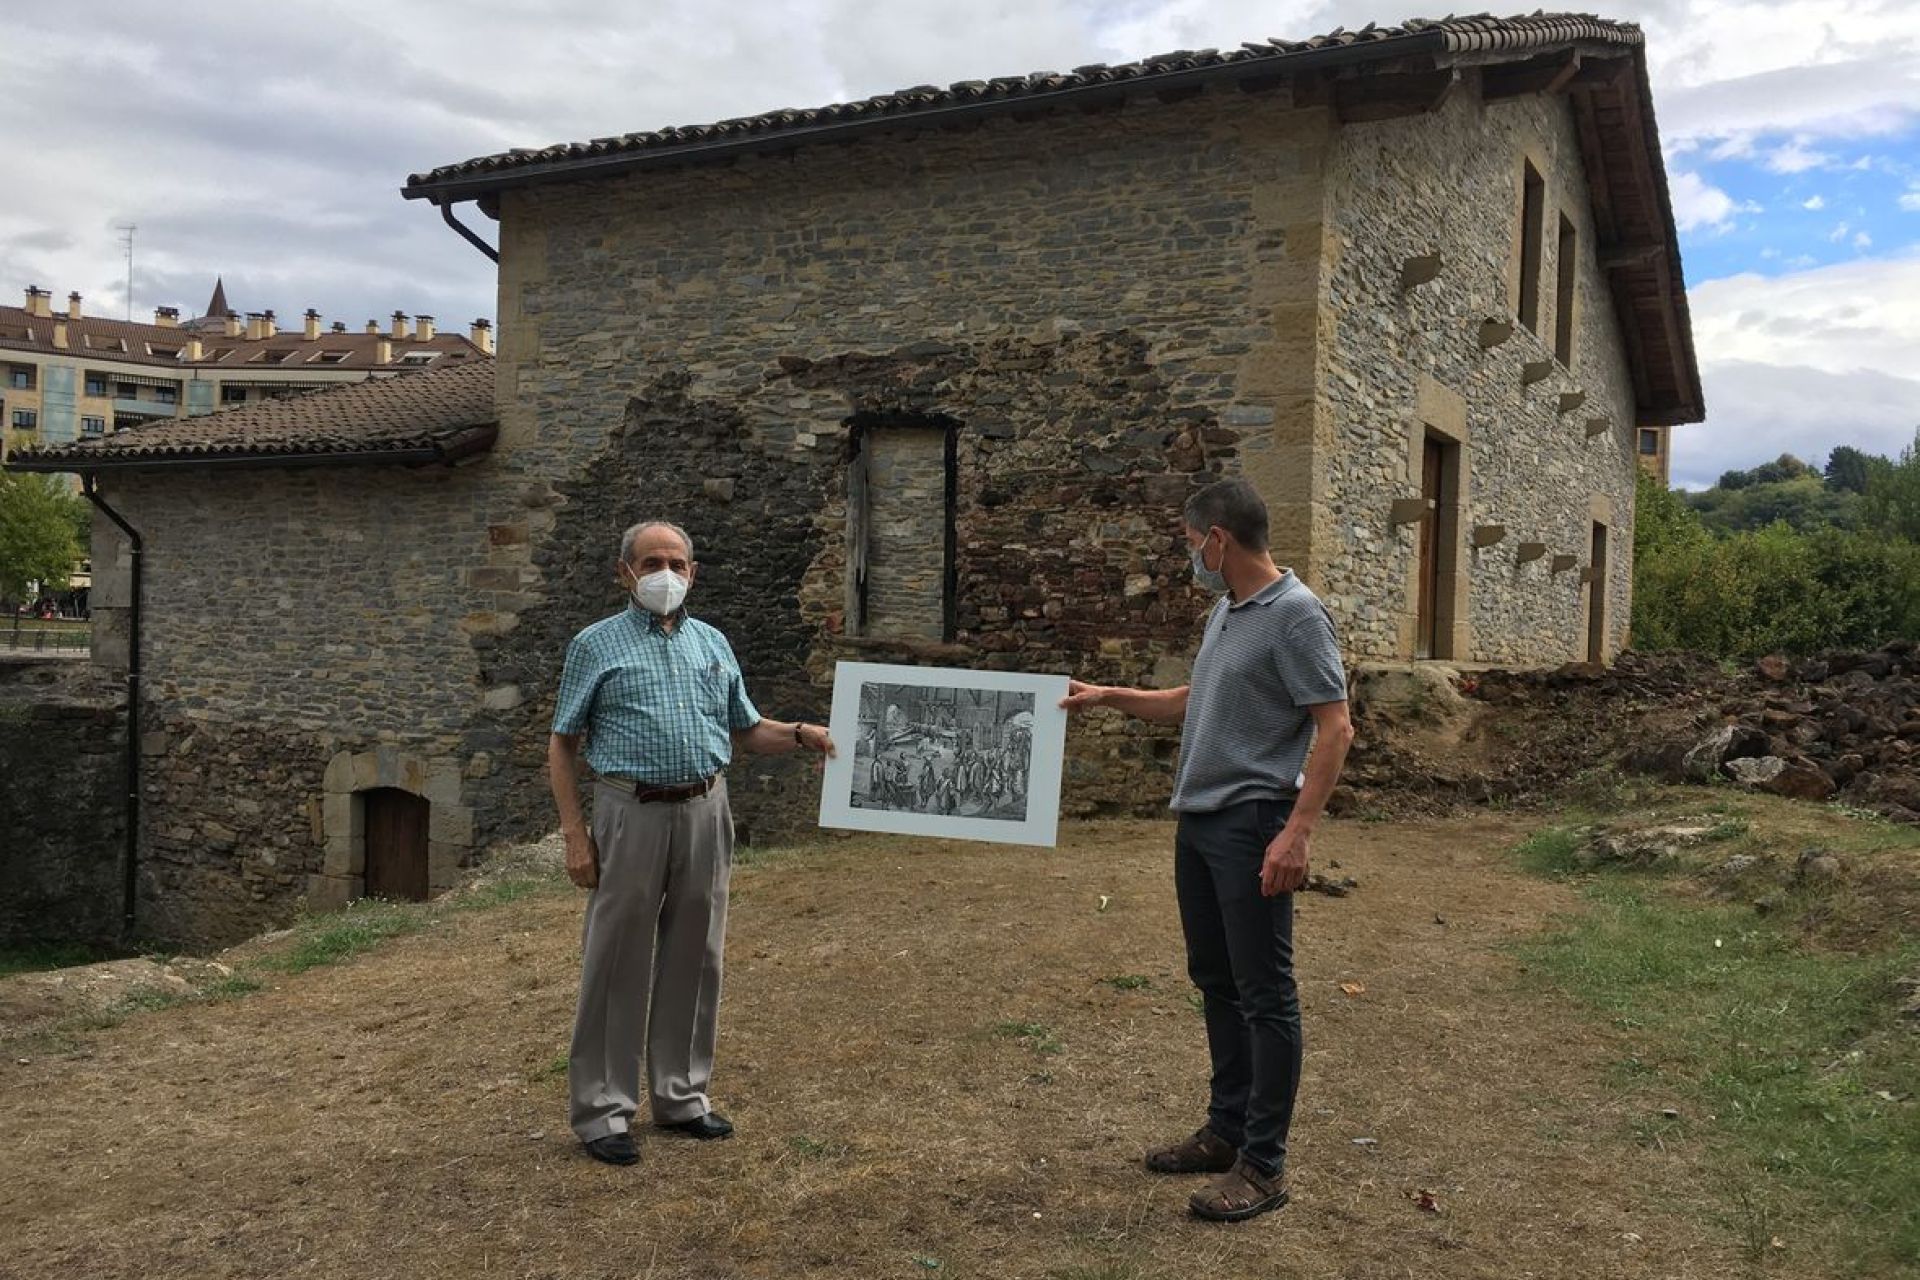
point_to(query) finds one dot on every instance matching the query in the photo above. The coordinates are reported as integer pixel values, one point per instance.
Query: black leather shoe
(614, 1148)
(706, 1128)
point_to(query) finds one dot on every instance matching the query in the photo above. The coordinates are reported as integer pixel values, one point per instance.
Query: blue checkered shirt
(657, 706)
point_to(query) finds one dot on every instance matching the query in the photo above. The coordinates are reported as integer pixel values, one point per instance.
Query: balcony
(130, 407)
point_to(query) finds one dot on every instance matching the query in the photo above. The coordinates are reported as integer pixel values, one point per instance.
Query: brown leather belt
(647, 793)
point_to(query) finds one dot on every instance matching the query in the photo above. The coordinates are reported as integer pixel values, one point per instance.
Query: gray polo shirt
(1262, 663)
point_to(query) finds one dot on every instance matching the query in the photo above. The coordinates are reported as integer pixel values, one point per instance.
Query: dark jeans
(1240, 955)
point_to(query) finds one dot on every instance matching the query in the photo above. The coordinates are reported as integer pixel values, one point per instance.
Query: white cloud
(1814, 202)
(1861, 240)
(1803, 362)
(1910, 200)
(1797, 157)
(1698, 204)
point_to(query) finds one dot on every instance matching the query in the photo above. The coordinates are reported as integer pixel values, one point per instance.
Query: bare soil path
(932, 1075)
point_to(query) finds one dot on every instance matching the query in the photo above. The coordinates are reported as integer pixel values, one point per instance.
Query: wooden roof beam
(1385, 97)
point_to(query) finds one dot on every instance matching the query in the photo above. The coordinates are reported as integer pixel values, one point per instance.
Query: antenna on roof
(126, 238)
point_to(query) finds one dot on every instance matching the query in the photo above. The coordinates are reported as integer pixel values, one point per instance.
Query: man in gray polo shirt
(1267, 700)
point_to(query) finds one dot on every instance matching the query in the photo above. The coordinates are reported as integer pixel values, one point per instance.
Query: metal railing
(41, 635)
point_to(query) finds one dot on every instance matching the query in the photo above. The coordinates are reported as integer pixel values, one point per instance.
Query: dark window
(125, 391)
(20, 377)
(1565, 266)
(167, 395)
(233, 395)
(93, 426)
(1533, 212)
(26, 420)
(96, 385)
(1649, 441)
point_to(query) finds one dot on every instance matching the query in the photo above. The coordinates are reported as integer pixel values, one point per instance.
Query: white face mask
(662, 593)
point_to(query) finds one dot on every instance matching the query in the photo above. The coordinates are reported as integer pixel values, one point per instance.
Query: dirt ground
(401, 1114)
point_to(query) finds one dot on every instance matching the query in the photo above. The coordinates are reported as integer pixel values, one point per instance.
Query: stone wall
(1396, 360)
(903, 476)
(294, 617)
(63, 799)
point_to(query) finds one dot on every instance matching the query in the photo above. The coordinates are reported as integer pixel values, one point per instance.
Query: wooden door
(396, 827)
(1597, 597)
(1427, 627)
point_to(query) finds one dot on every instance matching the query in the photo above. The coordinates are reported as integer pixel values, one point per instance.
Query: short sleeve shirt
(1263, 662)
(657, 706)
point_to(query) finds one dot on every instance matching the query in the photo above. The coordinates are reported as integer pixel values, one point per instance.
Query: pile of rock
(1844, 725)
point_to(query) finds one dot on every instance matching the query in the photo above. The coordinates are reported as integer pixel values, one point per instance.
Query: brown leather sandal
(1240, 1193)
(1204, 1152)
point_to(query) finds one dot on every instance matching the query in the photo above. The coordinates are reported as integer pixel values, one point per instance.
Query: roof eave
(448, 449)
(585, 168)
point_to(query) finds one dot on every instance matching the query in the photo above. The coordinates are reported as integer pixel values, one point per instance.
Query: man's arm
(1284, 869)
(583, 859)
(1160, 706)
(777, 738)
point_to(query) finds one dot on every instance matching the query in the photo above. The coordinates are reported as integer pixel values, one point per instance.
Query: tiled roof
(436, 415)
(288, 351)
(1470, 35)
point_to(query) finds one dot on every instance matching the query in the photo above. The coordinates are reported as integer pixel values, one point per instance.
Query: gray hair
(1233, 505)
(634, 531)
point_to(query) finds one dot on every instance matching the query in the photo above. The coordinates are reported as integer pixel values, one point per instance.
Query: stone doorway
(1597, 596)
(396, 835)
(1439, 537)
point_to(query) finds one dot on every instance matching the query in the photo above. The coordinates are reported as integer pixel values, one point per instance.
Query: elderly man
(1267, 687)
(660, 701)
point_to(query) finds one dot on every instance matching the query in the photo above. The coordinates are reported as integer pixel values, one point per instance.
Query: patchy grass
(1129, 982)
(1037, 1036)
(38, 957)
(340, 935)
(499, 893)
(1788, 1050)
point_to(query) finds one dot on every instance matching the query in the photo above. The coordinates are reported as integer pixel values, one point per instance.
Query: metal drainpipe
(131, 859)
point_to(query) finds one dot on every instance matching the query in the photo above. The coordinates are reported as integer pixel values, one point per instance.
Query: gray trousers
(650, 973)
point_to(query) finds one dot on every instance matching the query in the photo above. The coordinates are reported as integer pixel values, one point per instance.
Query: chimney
(39, 301)
(313, 324)
(399, 333)
(383, 351)
(267, 327)
(256, 326)
(73, 306)
(423, 328)
(167, 317)
(231, 324)
(194, 353)
(482, 336)
(373, 326)
(339, 326)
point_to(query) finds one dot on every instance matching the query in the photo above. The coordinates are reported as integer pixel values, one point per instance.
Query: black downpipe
(446, 212)
(131, 860)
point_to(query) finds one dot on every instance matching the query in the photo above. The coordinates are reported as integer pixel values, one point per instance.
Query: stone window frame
(1599, 512)
(858, 425)
(1441, 413)
(1529, 156)
(343, 819)
(1566, 288)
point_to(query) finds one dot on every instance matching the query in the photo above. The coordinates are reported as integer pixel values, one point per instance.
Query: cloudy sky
(266, 143)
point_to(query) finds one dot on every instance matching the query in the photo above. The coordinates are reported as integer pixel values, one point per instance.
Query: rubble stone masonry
(1096, 313)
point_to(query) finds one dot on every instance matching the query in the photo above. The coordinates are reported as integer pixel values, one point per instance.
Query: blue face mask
(1209, 579)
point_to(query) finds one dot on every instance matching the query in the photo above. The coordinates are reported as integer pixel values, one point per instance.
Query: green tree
(39, 542)
(1847, 470)
(1892, 502)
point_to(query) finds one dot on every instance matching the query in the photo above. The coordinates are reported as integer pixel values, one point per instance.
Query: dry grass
(934, 1073)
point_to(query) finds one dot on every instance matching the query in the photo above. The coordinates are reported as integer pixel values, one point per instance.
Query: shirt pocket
(715, 684)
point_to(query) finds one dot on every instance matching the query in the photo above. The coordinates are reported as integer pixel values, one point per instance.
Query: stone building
(928, 377)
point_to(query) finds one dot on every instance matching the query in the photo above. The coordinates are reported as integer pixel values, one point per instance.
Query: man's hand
(814, 737)
(1284, 870)
(1081, 696)
(583, 859)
